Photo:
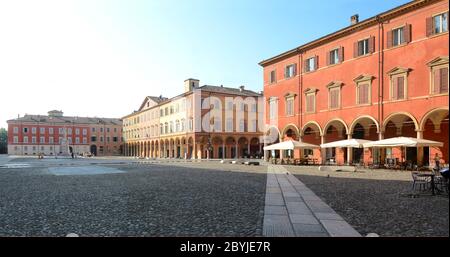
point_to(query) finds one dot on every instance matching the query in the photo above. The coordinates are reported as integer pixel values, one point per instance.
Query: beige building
(202, 122)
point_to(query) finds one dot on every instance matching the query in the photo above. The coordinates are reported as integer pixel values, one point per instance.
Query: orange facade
(395, 83)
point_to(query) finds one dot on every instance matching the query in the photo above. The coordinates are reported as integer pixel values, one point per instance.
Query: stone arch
(358, 119)
(230, 140)
(340, 121)
(429, 114)
(308, 124)
(217, 140)
(254, 141)
(394, 114)
(291, 127)
(435, 126)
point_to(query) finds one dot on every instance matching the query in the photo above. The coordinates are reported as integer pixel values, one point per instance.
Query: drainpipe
(380, 78)
(300, 85)
(380, 72)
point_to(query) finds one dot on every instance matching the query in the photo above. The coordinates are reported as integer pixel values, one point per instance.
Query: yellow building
(202, 122)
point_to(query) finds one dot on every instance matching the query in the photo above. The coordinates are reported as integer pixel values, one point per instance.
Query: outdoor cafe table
(431, 175)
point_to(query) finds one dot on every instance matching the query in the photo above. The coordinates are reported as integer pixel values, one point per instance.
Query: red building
(56, 134)
(382, 77)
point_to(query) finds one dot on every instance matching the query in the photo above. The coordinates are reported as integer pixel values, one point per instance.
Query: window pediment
(438, 61)
(398, 70)
(310, 90)
(363, 78)
(334, 84)
(290, 95)
(272, 98)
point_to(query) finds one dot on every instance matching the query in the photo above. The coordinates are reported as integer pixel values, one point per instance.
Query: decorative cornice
(438, 60)
(398, 70)
(290, 94)
(402, 9)
(310, 90)
(363, 77)
(334, 84)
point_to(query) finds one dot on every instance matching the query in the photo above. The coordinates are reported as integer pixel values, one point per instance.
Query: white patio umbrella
(355, 143)
(290, 145)
(403, 141)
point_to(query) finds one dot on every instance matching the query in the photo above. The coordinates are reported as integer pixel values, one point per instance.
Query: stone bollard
(372, 235)
(72, 235)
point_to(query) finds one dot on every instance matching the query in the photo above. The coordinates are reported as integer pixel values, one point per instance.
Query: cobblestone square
(141, 200)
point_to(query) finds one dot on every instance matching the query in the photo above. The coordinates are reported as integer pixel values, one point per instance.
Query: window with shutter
(334, 98)
(291, 106)
(363, 94)
(272, 77)
(438, 24)
(311, 64)
(401, 88)
(389, 38)
(429, 26)
(398, 36)
(365, 46)
(394, 89)
(436, 81)
(443, 88)
(329, 58)
(371, 45)
(341, 54)
(407, 33)
(310, 102)
(333, 57)
(290, 71)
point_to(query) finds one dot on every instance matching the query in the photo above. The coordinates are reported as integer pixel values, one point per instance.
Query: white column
(165, 150)
(349, 151)
(266, 154)
(419, 149)
(323, 150)
(223, 149)
(248, 147)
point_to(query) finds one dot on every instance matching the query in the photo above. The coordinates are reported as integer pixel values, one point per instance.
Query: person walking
(437, 161)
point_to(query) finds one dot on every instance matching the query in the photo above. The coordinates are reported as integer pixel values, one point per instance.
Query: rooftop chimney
(241, 88)
(354, 19)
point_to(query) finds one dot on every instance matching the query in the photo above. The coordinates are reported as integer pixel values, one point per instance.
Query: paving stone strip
(292, 209)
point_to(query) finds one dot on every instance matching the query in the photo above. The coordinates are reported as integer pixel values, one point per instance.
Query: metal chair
(422, 182)
(440, 182)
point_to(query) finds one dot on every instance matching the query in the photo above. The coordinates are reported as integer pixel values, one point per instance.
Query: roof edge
(349, 29)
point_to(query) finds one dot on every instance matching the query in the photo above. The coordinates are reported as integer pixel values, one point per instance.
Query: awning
(290, 145)
(403, 141)
(356, 143)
